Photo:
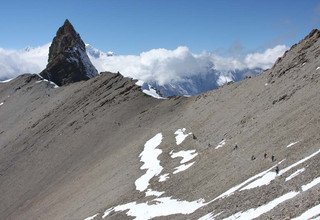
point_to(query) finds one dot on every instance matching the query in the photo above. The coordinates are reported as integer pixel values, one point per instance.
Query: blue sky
(131, 27)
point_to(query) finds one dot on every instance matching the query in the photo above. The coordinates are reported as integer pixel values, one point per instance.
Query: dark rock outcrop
(68, 61)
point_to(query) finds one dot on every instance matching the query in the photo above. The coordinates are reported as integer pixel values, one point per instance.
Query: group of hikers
(273, 158)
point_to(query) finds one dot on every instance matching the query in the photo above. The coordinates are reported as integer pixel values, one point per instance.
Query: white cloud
(28, 60)
(265, 59)
(165, 66)
(158, 65)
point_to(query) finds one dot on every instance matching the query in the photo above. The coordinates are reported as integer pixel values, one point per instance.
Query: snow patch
(157, 207)
(92, 217)
(310, 213)
(186, 155)
(152, 92)
(107, 212)
(160, 206)
(313, 183)
(5, 81)
(264, 180)
(164, 177)
(210, 216)
(181, 135)
(298, 163)
(232, 190)
(182, 167)
(293, 143)
(1, 103)
(221, 144)
(139, 83)
(293, 175)
(256, 212)
(151, 192)
(47, 81)
(149, 156)
(269, 176)
(318, 68)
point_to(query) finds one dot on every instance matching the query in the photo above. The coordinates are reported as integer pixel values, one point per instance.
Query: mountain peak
(315, 34)
(68, 61)
(66, 37)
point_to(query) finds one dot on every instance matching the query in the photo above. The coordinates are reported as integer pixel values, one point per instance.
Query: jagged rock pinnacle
(68, 61)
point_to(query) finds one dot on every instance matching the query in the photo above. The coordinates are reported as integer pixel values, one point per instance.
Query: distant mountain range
(176, 72)
(190, 84)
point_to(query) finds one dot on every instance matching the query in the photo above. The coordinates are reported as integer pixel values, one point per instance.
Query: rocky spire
(68, 61)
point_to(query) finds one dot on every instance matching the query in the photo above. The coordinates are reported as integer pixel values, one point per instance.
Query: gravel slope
(73, 151)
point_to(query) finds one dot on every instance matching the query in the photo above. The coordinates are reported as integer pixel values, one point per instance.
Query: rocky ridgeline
(68, 61)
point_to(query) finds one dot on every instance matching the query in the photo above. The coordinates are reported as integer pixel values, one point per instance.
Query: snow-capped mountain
(96, 53)
(197, 84)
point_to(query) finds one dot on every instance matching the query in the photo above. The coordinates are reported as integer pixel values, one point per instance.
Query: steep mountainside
(102, 149)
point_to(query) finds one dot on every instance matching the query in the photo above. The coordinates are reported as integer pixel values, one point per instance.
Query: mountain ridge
(82, 146)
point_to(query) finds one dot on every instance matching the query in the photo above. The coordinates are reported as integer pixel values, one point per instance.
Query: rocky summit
(68, 61)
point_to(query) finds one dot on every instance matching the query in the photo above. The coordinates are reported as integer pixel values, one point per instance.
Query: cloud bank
(28, 60)
(158, 65)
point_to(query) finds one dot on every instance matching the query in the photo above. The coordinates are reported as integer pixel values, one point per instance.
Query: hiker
(194, 137)
(235, 147)
(273, 158)
(277, 170)
(265, 155)
(253, 157)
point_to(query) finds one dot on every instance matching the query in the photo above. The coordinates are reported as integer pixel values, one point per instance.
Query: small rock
(194, 137)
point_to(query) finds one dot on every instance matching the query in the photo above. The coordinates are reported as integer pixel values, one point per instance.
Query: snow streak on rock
(221, 144)
(310, 213)
(313, 183)
(291, 144)
(296, 173)
(92, 217)
(5, 81)
(270, 176)
(210, 216)
(256, 212)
